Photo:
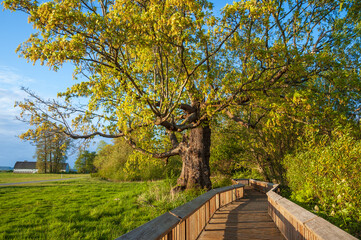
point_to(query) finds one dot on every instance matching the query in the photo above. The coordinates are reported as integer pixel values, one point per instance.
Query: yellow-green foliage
(327, 177)
(120, 162)
(139, 63)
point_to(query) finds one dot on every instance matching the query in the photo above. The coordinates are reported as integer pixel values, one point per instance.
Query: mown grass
(83, 208)
(9, 177)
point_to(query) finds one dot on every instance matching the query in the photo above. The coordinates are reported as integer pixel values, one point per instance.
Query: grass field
(9, 177)
(82, 208)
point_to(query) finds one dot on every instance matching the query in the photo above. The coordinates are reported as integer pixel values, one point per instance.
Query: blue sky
(16, 72)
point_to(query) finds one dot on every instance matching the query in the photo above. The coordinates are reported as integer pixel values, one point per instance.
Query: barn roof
(32, 165)
(25, 165)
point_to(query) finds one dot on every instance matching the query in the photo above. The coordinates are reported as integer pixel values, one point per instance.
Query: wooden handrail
(187, 221)
(295, 222)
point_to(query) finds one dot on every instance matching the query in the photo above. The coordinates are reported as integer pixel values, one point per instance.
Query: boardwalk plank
(245, 218)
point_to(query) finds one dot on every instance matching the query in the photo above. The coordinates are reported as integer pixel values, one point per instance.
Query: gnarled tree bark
(195, 153)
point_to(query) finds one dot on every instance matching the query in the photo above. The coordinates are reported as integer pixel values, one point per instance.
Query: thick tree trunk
(195, 156)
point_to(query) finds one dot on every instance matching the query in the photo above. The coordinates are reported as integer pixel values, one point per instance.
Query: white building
(25, 167)
(30, 167)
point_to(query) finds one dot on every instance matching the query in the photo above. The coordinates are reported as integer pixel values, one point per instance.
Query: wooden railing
(293, 221)
(187, 221)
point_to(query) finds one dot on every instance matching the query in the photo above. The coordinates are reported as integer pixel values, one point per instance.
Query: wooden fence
(187, 221)
(293, 221)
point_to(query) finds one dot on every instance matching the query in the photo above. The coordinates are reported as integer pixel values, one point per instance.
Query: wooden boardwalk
(217, 214)
(246, 218)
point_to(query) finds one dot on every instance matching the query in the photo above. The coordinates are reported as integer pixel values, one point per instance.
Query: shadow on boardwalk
(246, 218)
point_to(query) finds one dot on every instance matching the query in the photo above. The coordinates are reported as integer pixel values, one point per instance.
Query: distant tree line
(85, 162)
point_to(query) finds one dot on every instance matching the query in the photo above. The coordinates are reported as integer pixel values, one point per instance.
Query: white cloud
(10, 127)
(10, 91)
(10, 76)
(7, 101)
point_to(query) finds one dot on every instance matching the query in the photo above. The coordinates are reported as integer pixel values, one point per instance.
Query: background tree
(85, 162)
(155, 68)
(51, 152)
(61, 146)
(227, 148)
(111, 159)
(51, 146)
(42, 154)
(119, 161)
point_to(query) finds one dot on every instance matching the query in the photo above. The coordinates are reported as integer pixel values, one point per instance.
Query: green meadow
(9, 177)
(83, 208)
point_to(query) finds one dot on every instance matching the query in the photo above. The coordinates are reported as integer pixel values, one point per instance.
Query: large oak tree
(169, 67)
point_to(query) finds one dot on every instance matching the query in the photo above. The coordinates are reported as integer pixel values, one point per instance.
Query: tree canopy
(154, 68)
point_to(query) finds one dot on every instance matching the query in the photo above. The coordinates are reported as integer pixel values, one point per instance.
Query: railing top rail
(153, 229)
(241, 179)
(189, 208)
(227, 188)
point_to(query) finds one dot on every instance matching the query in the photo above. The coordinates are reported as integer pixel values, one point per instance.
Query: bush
(221, 181)
(248, 173)
(327, 178)
(119, 162)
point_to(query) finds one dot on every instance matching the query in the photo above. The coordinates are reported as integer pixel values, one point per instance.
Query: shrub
(119, 162)
(220, 180)
(327, 178)
(248, 173)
